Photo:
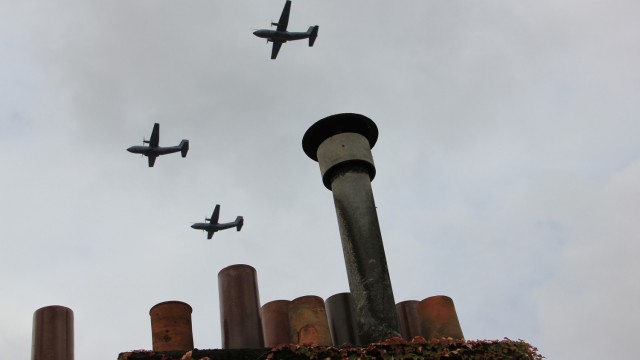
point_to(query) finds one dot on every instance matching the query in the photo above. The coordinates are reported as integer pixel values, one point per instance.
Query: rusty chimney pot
(438, 318)
(275, 323)
(171, 328)
(409, 320)
(341, 144)
(308, 321)
(52, 334)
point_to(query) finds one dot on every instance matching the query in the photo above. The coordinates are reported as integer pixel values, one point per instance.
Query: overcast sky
(508, 162)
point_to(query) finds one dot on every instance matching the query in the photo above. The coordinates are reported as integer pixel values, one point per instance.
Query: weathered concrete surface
(239, 308)
(52, 334)
(171, 328)
(342, 146)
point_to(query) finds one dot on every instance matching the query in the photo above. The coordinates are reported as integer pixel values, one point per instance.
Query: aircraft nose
(130, 149)
(193, 226)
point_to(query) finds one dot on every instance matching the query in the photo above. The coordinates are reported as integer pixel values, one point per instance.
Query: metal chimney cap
(337, 124)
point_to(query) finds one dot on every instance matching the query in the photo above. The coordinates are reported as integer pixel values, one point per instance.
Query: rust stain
(308, 335)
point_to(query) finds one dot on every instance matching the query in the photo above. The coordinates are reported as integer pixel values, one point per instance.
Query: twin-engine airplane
(281, 35)
(153, 150)
(212, 225)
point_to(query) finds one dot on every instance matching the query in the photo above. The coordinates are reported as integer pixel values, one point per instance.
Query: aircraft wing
(215, 215)
(152, 160)
(210, 235)
(284, 17)
(155, 136)
(274, 50)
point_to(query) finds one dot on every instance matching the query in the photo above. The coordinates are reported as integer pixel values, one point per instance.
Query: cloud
(507, 161)
(591, 295)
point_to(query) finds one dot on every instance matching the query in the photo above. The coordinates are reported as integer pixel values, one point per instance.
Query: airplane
(212, 225)
(153, 150)
(281, 35)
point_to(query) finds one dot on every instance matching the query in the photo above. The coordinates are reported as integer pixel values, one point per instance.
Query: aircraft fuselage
(281, 36)
(213, 227)
(154, 151)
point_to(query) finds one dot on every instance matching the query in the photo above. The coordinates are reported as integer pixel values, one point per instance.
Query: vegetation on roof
(391, 349)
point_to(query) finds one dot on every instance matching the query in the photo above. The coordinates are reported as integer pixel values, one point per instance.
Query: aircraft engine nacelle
(274, 24)
(207, 219)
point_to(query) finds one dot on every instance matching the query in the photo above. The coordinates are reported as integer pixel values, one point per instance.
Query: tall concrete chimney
(341, 144)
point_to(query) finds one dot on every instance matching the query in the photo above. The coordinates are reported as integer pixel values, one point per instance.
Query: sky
(508, 162)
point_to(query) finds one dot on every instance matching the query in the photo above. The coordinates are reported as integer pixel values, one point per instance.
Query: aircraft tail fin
(184, 147)
(239, 222)
(313, 34)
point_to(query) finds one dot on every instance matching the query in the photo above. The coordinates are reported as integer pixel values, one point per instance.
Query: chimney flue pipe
(341, 144)
(240, 308)
(52, 334)
(171, 328)
(308, 321)
(275, 323)
(408, 318)
(438, 318)
(341, 319)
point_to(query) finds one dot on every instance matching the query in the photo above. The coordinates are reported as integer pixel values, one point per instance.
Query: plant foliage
(391, 349)
(418, 348)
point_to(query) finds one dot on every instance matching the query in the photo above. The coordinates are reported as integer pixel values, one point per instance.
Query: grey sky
(508, 161)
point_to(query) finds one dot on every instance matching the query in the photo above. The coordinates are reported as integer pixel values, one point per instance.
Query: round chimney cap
(338, 124)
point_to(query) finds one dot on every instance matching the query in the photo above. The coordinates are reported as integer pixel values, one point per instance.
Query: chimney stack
(171, 328)
(275, 323)
(438, 318)
(341, 144)
(240, 308)
(52, 334)
(341, 319)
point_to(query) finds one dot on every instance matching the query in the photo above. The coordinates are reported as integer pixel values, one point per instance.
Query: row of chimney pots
(247, 325)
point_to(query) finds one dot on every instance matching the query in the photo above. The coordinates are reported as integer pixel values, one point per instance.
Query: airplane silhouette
(153, 150)
(281, 35)
(212, 225)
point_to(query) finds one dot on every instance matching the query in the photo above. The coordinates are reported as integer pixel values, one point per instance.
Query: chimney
(171, 328)
(341, 319)
(438, 318)
(341, 144)
(408, 318)
(52, 333)
(275, 323)
(240, 308)
(308, 321)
